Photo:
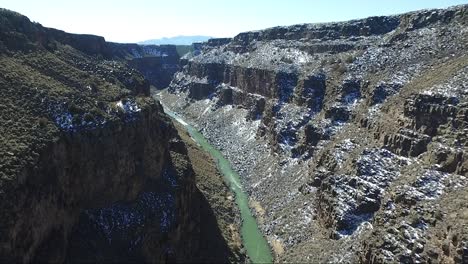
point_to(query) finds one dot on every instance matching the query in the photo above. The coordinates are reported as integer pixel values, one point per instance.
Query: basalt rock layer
(91, 169)
(350, 137)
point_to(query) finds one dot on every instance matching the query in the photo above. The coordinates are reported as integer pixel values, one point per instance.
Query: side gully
(255, 243)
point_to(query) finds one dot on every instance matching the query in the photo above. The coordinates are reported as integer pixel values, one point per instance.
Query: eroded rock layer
(351, 137)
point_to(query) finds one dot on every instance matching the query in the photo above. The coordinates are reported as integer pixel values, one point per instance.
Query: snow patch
(128, 106)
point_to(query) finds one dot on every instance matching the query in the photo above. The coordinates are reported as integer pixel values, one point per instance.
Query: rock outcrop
(350, 136)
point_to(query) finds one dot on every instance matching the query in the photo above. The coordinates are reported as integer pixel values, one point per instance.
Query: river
(254, 242)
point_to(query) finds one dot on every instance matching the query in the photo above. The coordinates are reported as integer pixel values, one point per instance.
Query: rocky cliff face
(158, 64)
(350, 137)
(90, 167)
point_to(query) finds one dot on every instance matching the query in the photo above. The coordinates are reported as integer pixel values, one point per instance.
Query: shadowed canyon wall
(91, 167)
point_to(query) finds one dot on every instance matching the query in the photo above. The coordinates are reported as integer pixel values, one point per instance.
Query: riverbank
(220, 202)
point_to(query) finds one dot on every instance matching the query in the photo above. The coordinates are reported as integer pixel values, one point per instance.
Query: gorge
(350, 138)
(347, 142)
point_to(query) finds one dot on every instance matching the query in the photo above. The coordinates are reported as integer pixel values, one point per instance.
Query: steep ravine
(350, 137)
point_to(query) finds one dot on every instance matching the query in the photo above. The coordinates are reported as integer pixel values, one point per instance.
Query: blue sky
(137, 20)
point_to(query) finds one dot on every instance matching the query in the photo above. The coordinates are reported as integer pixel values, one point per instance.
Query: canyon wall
(158, 64)
(349, 137)
(91, 169)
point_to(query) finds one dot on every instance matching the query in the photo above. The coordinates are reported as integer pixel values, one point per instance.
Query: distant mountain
(179, 40)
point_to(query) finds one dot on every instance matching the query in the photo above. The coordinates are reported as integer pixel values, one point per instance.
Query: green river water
(254, 242)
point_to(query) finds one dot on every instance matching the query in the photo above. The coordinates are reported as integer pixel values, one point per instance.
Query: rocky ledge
(349, 137)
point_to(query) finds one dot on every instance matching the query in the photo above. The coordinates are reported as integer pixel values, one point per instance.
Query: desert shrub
(88, 117)
(76, 120)
(340, 68)
(414, 220)
(286, 60)
(323, 62)
(349, 58)
(74, 109)
(42, 122)
(96, 112)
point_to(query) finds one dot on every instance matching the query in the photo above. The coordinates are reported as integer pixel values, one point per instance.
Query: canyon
(91, 169)
(349, 140)
(349, 137)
